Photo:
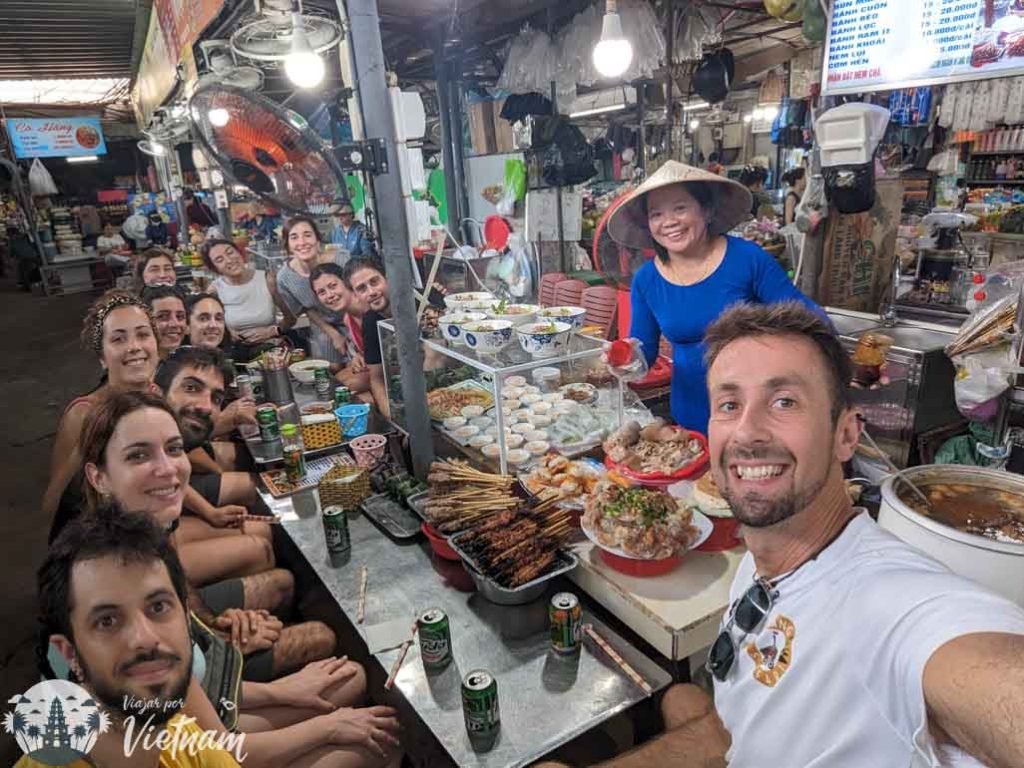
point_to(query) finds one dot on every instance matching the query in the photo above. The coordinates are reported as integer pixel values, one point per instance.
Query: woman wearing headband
(120, 332)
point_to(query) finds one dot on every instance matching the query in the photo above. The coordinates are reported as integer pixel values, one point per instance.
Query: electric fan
(221, 67)
(266, 148)
(267, 36)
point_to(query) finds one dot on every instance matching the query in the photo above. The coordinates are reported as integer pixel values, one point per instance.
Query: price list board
(877, 45)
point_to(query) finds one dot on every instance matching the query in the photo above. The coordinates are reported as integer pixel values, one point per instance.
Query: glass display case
(504, 409)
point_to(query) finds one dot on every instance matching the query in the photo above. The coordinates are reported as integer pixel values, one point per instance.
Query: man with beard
(843, 646)
(112, 599)
(365, 278)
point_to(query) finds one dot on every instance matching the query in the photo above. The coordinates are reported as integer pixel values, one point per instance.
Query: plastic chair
(547, 287)
(569, 293)
(601, 303)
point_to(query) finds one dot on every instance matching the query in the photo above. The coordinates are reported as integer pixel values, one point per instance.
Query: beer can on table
(266, 417)
(256, 378)
(342, 396)
(435, 638)
(566, 617)
(480, 707)
(296, 356)
(336, 530)
(244, 385)
(322, 382)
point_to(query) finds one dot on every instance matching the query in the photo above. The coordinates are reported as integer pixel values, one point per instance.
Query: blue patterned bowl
(541, 340)
(488, 336)
(451, 325)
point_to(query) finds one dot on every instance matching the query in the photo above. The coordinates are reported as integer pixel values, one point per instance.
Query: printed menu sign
(876, 45)
(56, 136)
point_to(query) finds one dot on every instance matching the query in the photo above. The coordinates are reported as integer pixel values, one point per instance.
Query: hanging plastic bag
(568, 159)
(813, 206)
(981, 378)
(948, 110)
(40, 182)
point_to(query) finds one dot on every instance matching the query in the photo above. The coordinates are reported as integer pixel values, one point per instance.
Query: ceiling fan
(269, 34)
(222, 67)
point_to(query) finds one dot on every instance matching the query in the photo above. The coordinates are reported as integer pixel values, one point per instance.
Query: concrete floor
(42, 367)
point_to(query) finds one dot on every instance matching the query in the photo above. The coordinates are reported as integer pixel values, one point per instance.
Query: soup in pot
(991, 512)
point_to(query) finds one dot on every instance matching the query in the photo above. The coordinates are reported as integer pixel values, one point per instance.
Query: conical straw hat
(731, 204)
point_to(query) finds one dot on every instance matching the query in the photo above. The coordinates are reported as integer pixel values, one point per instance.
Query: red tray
(659, 375)
(661, 480)
(439, 543)
(723, 537)
(641, 568)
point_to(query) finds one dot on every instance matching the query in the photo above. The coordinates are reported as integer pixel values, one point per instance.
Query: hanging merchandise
(999, 95)
(911, 106)
(964, 104)
(979, 108)
(947, 112)
(848, 136)
(1015, 102)
(815, 22)
(40, 182)
(695, 32)
(567, 159)
(714, 76)
(786, 10)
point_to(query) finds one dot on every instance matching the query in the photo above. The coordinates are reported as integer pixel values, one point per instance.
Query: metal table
(545, 699)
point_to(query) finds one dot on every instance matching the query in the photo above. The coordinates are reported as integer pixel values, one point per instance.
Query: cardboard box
(481, 127)
(503, 134)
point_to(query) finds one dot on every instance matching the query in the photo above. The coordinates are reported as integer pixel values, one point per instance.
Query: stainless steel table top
(545, 699)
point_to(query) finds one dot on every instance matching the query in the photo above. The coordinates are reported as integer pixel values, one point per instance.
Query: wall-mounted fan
(220, 66)
(260, 145)
(152, 147)
(268, 35)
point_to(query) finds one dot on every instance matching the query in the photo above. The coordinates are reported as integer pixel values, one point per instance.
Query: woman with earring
(682, 214)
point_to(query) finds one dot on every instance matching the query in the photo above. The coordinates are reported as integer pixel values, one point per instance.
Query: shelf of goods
(496, 408)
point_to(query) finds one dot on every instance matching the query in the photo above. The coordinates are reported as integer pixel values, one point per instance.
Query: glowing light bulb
(303, 66)
(219, 116)
(694, 124)
(613, 53)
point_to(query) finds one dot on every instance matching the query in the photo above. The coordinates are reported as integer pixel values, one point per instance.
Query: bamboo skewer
(399, 661)
(631, 673)
(363, 578)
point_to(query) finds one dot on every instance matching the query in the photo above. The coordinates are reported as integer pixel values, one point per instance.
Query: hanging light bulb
(219, 116)
(613, 52)
(303, 66)
(694, 124)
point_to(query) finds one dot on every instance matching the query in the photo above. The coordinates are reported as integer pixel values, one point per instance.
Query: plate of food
(704, 496)
(657, 454)
(642, 531)
(447, 402)
(571, 480)
(581, 393)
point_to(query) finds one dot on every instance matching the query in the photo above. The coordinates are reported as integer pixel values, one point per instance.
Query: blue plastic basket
(353, 418)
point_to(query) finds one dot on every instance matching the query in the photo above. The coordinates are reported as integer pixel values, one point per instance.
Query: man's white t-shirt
(834, 678)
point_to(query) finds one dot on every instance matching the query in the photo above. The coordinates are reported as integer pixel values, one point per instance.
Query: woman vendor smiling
(682, 214)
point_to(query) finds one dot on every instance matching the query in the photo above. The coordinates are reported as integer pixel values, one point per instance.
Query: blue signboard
(56, 136)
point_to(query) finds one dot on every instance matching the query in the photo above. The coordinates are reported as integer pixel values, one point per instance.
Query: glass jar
(869, 357)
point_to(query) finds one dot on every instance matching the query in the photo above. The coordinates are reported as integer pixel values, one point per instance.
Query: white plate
(522, 428)
(590, 389)
(701, 522)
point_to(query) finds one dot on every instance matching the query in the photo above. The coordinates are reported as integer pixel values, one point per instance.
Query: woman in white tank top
(249, 296)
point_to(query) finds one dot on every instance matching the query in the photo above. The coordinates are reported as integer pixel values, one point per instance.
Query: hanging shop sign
(880, 45)
(56, 136)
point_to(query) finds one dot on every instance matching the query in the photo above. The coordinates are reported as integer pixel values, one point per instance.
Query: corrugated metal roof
(51, 39)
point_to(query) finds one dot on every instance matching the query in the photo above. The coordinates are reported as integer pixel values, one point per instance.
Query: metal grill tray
(390, 515)
(527, 593)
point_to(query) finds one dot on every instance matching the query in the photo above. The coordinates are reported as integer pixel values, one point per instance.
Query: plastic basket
(368, 449)
(353, 418)
(346, 487)
(320, 433)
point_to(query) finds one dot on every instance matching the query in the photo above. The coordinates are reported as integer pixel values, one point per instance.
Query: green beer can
(480, 708)
(434, 632)
(336, 530)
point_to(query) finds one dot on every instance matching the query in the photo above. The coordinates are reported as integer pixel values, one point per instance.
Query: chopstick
(271, 519)
(399, 661)
(623, 664)
(361, 612)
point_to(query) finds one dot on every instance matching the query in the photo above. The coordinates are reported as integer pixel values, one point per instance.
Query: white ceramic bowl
(454, 422)
(517, 456)
(492, 431)
(458, 301)
(530, 399)
(543, 340)
(522, 428)
(541, 408)
(523, 414)
(530, 389)
(488, 336)
(553, 397)
(535, 435)
(514, 441)
(572, 315)
(466, 432)
(481, 421)
(477, 306)
(304, 371)
(566, 406)
(472, 411)
(515, 381)
(491, 450)
(540, 420)
(517, 314)
(537, 447)
(451, 325)
(508, 410)
(479, 441)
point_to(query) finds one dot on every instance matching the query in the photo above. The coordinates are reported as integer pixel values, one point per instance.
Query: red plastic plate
(659, 479)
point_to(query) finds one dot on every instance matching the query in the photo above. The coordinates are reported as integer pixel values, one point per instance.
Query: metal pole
(562, 265)
(444, 111)
(379, 121)
(641, 147)
(670, 43)
(458, 151)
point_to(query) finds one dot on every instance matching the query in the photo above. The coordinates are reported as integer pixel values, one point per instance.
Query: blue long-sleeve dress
(682, 314)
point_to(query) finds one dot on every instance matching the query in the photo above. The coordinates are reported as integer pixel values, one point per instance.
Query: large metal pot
(997, 565)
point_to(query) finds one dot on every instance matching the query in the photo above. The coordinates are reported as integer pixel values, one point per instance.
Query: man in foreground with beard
(112, 599)
(843, 646)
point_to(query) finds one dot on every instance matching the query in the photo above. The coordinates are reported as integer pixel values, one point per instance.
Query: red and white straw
(623, 664)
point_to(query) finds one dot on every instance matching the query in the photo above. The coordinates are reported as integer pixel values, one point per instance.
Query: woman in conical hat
(683, 213)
